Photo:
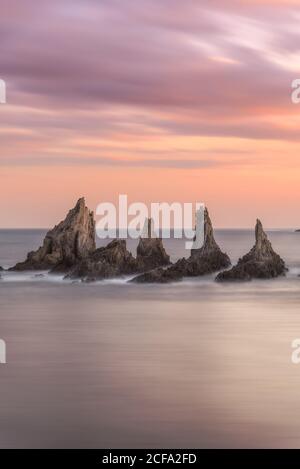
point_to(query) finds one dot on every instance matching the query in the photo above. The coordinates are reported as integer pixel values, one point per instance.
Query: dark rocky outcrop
(205, 260)
(150, 251)
(209, 258)
(159, 275)
(66, 244)
(261, 262)
(113, 260)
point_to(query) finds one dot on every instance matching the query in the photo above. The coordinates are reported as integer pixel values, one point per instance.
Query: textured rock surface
(66, 244)
(261, 262)
(208, 259)
(115, 260)
(150, 251)
(110, 261)
(159, 275)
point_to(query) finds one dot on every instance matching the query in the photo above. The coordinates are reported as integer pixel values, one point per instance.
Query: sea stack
(150, 251)
(205, 260)
(113, 260)
(209, 258)
(262, 262)
(66, 244)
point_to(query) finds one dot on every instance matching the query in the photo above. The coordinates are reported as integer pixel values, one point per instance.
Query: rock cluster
(67, 243)
(205, 260)
(115, 260)
(261, 262)
(70, 248)
(110, 261)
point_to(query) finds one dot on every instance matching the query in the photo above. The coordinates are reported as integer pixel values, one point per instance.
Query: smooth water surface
(112, 364)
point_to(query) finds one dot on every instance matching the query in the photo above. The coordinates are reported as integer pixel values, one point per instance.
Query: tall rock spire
(261, 262)
(209, 245)
(150, 251)
(67, 243)
(205, 260)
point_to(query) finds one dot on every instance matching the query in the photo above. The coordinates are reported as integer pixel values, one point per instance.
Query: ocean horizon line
(269, 229)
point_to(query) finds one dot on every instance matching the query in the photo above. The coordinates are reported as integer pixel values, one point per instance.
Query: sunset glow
(164, 101)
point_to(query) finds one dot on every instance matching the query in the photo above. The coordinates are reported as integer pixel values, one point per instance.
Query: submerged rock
(67, 243)
(261, 262)
(159, 275)
(150, 251)
(110, 261)
(205, 260)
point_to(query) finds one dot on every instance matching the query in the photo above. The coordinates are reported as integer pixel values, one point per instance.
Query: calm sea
(111, 364)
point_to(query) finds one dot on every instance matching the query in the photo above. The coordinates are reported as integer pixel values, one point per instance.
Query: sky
(163, 100)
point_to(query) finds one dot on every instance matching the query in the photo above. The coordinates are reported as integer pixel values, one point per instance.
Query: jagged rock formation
(115, 260)
(209, 258)
(205, 260)
(261, 262)
(67, 243)
(150, 251)
(110, 261)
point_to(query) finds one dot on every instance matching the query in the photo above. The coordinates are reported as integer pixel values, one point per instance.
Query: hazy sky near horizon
(163, 100)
